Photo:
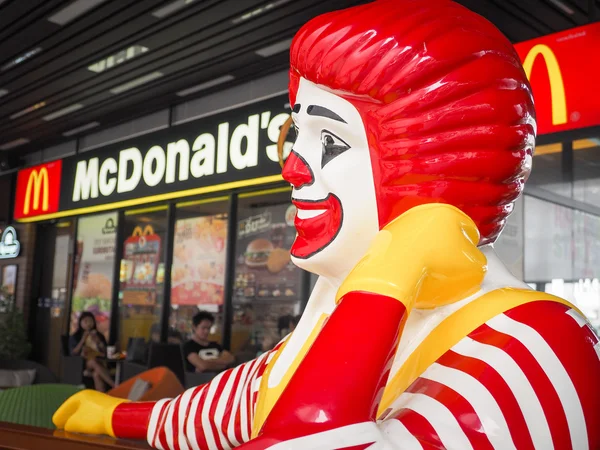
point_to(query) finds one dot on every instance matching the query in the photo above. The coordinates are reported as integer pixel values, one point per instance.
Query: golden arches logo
(557, 86)
(147, 231)
(38, 183)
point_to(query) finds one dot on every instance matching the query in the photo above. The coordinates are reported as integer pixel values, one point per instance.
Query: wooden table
(22, 437)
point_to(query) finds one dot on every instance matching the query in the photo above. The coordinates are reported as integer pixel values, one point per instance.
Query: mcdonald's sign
(563, 71)
(224, 151)
(38, 190)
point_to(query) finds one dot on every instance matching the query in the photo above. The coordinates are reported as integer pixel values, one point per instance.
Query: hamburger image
(257, 253)
(278, 260)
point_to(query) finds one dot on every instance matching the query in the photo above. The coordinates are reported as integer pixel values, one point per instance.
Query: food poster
(96, 242)
(264, 270)
(9, 279)
(199, 254)
(139, 267)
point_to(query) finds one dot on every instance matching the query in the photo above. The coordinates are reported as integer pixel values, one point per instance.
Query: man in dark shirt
(202, 355)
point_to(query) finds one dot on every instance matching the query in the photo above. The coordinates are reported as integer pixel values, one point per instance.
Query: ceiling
(91, 64)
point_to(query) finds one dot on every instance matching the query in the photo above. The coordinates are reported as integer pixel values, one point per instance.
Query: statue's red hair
(446, 104)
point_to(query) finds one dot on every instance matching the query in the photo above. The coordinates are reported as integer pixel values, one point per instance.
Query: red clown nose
(297, 172)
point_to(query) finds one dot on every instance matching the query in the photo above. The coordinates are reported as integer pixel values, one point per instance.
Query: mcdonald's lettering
(557, 87)
(38, 190)
(38, 182)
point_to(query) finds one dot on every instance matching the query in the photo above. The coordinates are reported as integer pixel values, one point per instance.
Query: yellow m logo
(38, 182)
(557, 87)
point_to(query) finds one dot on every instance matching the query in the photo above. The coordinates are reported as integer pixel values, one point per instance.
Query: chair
(163, 384)
(43, 375)
(193, 379)
(72, 366)
(167, 355)
(137, 350)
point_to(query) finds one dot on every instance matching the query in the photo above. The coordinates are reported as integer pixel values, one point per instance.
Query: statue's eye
(332, 146)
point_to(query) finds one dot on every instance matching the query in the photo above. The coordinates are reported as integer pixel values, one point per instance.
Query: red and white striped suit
(528, 378)
(544, 351)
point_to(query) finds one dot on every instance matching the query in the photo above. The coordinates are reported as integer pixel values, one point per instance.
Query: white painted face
(330, 170)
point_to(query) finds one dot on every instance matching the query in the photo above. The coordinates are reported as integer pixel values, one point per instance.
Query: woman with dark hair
(91, 345)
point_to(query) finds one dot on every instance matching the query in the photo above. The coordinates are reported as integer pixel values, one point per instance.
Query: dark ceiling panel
(544, 17)
(66, 51)
(196, 44)
(19, 14)
(207, 51)
(81, 78)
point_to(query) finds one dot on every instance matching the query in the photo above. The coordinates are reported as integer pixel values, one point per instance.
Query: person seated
(91, 345)
(201, 354)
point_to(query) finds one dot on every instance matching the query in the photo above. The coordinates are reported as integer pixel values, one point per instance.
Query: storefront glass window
(199, 265)
(267, 295)
(548, 241)
(547, 173)
(562, 254)
(586, 171)
(510, 246)
(93, 269)
(142, 274)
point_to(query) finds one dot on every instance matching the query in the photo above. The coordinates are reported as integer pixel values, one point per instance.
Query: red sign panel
(563, 71)
(38, 190)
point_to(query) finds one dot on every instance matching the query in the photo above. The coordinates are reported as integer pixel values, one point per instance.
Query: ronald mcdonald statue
(415, 133)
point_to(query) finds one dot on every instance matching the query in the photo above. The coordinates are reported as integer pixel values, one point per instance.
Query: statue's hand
(425, 258)
(87, 412)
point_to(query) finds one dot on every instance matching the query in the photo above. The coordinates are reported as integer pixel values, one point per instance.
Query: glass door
(142, 274)
(93, 270)
(268, 292)
(50, 313)
(199, 265)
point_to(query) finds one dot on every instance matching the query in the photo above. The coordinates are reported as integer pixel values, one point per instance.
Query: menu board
(199, 253)
(139, 267)
(264, 270)
(96, 242)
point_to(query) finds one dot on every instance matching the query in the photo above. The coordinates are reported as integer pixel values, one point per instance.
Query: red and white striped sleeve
(527, 379)
(214, 416)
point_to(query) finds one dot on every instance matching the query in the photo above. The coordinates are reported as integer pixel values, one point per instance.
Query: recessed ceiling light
(258, 11)
(206, 85)
(20, 59)
(171, 8)
(13, 144)
(73, 11)
(3, 92)
(563, 7)
(273, 49)
(118, 58)
(28, 110)
(63, 112)
(81, 129)
(137, 82)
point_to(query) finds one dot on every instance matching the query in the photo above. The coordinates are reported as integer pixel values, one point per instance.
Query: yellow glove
(88, 412)
(426, 257)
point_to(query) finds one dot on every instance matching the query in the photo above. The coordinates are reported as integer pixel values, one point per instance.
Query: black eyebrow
(296, 108)
(316, 110)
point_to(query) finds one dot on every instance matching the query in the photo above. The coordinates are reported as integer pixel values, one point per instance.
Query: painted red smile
(316, 233)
